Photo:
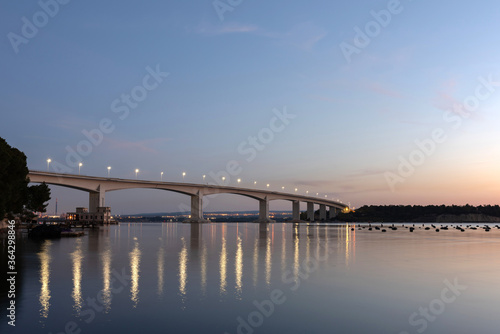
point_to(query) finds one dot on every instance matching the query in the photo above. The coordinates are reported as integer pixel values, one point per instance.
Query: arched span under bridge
(98, 186)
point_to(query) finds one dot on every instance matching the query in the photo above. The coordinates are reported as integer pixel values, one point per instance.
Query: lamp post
(239, 181)
(183, 175)
(136, 172)
(79, 166)
(268, 185)
(296, 189)
(255, 183)
(223, 179)
(161, 176)
(109, 168)
(48, 163)
(283, 188)
(204, 176)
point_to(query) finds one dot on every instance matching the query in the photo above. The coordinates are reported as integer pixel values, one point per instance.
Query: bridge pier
(96, 199)
(332, 213)
(322, 212)
(296, 211)
(264, 211)
(310, 211)
(196, 209)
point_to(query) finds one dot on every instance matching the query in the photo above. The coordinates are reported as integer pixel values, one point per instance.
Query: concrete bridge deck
(98, 186)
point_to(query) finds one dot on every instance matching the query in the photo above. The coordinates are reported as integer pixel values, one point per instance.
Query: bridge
(98, 186)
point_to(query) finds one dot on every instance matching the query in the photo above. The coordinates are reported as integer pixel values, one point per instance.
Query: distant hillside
(418, 213)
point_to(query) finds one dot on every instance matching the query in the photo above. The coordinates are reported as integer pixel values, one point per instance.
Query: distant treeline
(414, 213)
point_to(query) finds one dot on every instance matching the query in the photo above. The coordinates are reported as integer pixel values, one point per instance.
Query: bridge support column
(322, 212)
(296, 211)
(264, 211)
(96, 199)
(332, 213)
(196, 209)
(310, 211)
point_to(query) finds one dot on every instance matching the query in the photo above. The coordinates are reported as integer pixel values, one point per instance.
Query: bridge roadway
(98, 186)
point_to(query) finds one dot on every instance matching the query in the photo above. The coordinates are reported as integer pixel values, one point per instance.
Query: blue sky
(354, 119)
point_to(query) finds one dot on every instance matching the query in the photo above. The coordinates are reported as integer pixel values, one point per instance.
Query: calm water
(249, 278)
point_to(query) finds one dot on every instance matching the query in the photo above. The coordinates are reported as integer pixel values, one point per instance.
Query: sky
(370, 102)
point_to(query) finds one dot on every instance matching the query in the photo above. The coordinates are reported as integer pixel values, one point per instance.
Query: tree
(38, 197)
(16, 196)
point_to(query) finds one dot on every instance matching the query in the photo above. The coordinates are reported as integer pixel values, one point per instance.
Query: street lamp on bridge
(183, 175)
(161, 176)
(79, 166)
(136, 172)
(239, 181)
(48, 163)
(109, 168)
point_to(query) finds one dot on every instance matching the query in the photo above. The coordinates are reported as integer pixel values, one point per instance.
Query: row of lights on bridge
(80, 164)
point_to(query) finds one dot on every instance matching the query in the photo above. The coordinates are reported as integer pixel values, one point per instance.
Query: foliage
(16, 196)
(396, 213)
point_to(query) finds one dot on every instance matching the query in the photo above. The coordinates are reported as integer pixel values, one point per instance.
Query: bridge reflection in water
(232, 258)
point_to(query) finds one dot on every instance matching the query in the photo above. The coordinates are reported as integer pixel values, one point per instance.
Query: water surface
(251, 278)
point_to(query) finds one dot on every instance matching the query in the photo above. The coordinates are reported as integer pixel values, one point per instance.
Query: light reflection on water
(193, 278)
(135, 262)
(183, 259)
(44, 296)
(106, 276)
(238, 264)
(223, 264)
(77, 257)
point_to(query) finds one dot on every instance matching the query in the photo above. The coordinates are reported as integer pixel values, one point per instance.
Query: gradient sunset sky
(362, 81)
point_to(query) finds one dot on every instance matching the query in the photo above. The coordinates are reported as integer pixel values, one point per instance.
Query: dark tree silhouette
(16, 196)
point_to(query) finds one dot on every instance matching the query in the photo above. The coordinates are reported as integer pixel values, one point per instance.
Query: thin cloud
(324, 98)
(141, 146)
(378, 88)
(305, 35)
(206, 28)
